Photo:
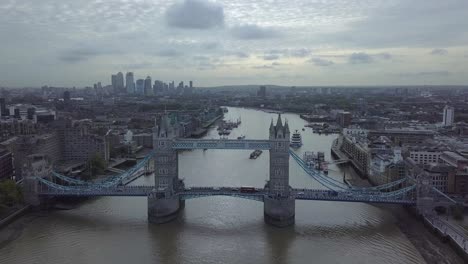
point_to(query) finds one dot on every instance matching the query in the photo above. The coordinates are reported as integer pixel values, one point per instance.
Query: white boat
(296, 140)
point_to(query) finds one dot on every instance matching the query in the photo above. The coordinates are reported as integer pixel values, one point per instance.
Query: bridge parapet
(180, 144)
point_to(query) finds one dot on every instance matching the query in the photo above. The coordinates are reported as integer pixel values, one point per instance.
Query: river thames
(218, 229)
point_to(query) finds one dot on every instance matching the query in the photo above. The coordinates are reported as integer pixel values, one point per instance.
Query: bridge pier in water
(279, 212)
(163, 210)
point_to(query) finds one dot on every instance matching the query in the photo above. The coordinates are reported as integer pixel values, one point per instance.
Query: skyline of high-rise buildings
(146, 86)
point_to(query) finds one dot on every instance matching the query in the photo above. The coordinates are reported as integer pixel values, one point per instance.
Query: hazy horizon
(214, 43)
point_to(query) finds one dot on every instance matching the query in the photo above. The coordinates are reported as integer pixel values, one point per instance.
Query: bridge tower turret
(279, 204)
(164, 202)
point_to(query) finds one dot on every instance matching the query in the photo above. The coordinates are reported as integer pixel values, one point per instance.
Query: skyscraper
(262, 91)
(114, 82)
(148, 86)
(120, 83)
(449, 115)
(140, 86)
(130, 83)
(3, 108)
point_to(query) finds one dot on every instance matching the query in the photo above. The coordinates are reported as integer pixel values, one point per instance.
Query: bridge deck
(258, 194)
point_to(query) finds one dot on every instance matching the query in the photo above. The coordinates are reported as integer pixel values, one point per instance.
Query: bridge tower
(279, 204)
(37, 165)
(164, 202)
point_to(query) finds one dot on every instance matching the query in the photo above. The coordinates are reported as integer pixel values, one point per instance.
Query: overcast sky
(284, 42)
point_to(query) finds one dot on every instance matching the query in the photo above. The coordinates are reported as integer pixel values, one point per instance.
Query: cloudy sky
(284, 42)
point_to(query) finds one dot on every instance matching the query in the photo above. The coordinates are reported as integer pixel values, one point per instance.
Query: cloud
(360, 58)
(263, 67)
(168, 53)
(426, 74)
(82, 54)
(383, 56)
(404, 23)
(321, 62)
(252, 31)
(364, 58)
(267, 66)
(270, 57)
(195, 14)
(300, 53)
(239, 54)
(137, 66)
(440, 52)
(210, 45)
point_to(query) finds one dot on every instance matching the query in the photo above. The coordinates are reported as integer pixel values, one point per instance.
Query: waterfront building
(386, 168)
(448, 116)
(79, 144)
(404, 136)
(356, 148)
(343, 119)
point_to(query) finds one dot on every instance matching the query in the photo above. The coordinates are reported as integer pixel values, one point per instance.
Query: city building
(148, 86)
(15, 127)
(114, 82)
(425, 154)
(130, 83)
(140, 86)
(78, 143)
(448, 116)
(453, 159)
(3, 108)
(356, 148)
(262, 92)
(404, 136)
(343, 119)
(6, 164)
(118, 83)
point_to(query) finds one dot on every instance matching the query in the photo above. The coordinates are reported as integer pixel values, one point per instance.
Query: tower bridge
(167, 197)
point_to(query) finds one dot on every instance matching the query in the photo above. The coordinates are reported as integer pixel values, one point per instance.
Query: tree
(10, 193)
(96, 165)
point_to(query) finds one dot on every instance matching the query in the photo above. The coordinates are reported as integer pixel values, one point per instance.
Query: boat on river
(296, 140)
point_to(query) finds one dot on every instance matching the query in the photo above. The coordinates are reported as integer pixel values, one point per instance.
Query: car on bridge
(247, 189)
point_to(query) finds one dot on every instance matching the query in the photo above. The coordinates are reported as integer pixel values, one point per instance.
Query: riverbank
(13, 215)
(433, 249)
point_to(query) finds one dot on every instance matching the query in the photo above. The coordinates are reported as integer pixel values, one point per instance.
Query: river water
(218, 229)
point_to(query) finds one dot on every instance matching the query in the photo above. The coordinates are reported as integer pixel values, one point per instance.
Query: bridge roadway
(221, 144)
(258, 194)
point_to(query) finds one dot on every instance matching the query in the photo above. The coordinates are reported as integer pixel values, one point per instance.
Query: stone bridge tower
(163, 202)
(279, 205)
